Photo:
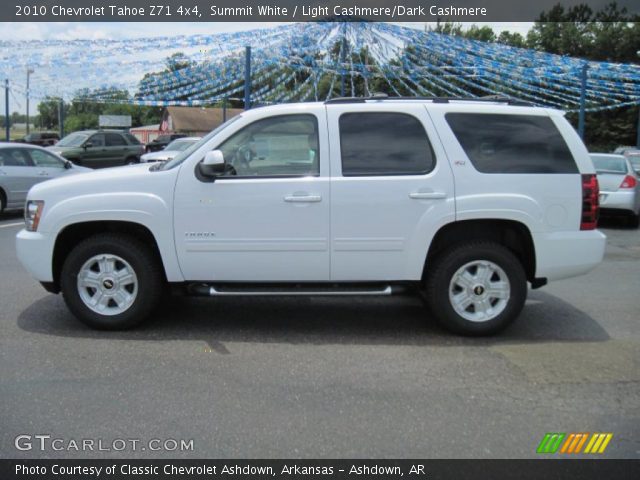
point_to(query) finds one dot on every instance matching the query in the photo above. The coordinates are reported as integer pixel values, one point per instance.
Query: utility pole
(61, 117)
(247, 78)
(583, 100)
(342, 58)
(224, 109)
(6, 109)
(29, 72)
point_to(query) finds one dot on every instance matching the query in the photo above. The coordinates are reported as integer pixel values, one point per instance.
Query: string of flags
(295, 62)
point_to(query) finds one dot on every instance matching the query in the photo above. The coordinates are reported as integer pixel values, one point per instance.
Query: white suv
(466, 201)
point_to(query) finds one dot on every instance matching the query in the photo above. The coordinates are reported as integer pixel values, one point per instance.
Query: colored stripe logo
(574, 443)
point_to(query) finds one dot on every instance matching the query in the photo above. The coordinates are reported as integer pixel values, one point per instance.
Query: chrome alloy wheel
(107, 284)
(479, 291)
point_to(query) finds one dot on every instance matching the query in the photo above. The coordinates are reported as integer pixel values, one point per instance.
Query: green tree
(48, 112)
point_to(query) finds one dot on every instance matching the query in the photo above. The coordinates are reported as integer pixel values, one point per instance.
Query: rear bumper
(35, 252)
(619, 201)
(568, 254)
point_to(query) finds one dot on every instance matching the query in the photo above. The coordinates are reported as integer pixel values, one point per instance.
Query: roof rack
(383, 96)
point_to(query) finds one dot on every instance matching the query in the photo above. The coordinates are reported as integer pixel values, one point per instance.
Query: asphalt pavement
(323, 377)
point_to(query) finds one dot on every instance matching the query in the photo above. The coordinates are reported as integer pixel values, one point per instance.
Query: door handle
(303, 198)
(43, 173)
(428, 195)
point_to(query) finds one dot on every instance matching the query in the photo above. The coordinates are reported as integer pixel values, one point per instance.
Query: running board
(302, 290)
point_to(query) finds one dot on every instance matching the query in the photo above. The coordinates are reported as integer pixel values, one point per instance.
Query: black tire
(131, 160)
(2, 201)
(442, 271)
(144, 263)
(634, 220)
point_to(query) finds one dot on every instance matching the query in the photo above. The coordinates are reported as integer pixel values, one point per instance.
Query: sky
(121, 30)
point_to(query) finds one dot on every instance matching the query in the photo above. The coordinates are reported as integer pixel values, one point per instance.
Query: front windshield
(181, 157)
(179, 145)
(73, 140)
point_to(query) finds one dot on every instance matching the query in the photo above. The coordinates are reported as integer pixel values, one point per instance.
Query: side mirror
(212, 165)
(88, 145)
(68, 165)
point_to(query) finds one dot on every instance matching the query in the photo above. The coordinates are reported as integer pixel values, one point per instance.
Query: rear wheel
(132, 161)
(634, 220)
(111, 281)
(1, 201)
(476, 288)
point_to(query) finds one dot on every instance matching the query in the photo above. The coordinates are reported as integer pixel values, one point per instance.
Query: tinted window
(132, 139)
(97, 140)
(384, 144)
(512, 143)
(14, 157)
(277, 146)
(115, 140)
(45, 159)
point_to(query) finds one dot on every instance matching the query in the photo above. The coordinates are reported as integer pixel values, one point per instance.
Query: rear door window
(498, 143)
(115, 140)
(384, 143)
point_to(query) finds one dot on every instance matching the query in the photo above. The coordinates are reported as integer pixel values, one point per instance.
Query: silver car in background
(170, 151)
(22, 166)
(619, 186)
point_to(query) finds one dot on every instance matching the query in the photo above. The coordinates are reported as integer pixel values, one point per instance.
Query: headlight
(32, 214)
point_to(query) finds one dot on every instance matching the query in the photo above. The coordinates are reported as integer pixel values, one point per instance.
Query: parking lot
(325, 377)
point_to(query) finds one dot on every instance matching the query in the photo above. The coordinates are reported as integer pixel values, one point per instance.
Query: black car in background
(42, 139)
(162, 141)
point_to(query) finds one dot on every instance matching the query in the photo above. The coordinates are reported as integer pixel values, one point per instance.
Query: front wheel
(476, 288)
(111, 281)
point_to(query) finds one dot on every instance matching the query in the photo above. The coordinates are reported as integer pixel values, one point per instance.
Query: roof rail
(488, 99)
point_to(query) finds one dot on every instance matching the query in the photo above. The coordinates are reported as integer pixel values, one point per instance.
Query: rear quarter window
(501, 143)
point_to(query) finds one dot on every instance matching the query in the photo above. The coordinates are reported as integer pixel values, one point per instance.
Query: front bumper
(35, 253)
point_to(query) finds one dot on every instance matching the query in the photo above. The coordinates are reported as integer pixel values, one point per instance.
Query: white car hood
(160, 155)
(106, 180)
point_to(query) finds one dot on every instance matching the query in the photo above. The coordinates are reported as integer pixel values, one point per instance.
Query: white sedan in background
(619, 186)
(23, 165)
(170, 151)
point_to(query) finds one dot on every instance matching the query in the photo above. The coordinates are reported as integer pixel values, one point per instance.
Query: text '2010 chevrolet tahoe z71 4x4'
(465, 200)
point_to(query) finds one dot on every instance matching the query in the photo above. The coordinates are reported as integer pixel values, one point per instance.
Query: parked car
(621, 150)
(171, 150)
(42, 139)
(464, 201)
(22, 166)
(634, 158)
(162, 141)
(100, 148)
(619, 186)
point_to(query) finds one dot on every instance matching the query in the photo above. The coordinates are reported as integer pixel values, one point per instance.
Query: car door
(46, 164)
(18, 174)
(117, 148)
(267, 219)
(392, 188)
(95, 152)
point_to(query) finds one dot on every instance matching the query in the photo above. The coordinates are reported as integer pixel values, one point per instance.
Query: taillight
(590, 203)
(629, 182)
